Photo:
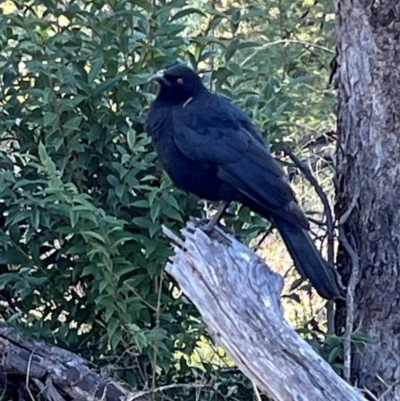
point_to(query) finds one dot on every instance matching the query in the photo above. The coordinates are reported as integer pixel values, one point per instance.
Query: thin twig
(141, 298)
(156, 345)
(48, 390)
(389, 388)
(330, 227)
(4, 389)
(212, 47)
(265, 235)
(349, 302)
(318, 223)
(351, 207)
(330, 317)
(285, 41)
(39, 385)
(166, 231)
(28, 371)
(256, 392)
(324, 199)
(370, 395)
(165, 388)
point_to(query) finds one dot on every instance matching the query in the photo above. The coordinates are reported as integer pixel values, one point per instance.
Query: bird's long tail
(309, 261)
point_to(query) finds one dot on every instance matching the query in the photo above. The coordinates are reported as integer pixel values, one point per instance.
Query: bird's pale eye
(179, 81)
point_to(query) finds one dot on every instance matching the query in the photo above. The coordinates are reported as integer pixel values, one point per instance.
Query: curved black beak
(159, 77)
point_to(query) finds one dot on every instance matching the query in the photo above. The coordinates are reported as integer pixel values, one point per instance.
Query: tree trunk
(368, 181)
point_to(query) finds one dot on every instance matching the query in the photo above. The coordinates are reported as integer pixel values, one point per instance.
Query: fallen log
(55, 371)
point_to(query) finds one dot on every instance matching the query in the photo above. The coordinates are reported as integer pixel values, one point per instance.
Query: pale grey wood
(238, 296)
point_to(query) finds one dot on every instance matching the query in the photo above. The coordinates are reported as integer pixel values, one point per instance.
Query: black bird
(211, 148)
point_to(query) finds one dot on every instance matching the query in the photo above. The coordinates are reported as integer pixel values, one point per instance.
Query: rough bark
(238, 297)
(57, 373)
(368, 181)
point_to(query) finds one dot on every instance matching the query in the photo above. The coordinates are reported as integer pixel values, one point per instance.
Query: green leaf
(116, 339)
(138, 337)
(170, 29)
(231, 50)
(125, 270)
(171, 201)
(47, 163)
(92, 234)
(74, 123)
(131, 137)
(172, 213)
(49, 119)
(145, 4)
(95, 68)
(112, 327)
(103, 285)
(188, 11)
(141, 222)
(73, 217)
(155, 211)
(334, 354)
(106, 85)
(141, 203)
(300, 80)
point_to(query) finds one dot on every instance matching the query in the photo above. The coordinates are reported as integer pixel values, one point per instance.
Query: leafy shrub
(83, 197)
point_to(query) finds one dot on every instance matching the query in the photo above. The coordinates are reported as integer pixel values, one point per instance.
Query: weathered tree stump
(238, 296)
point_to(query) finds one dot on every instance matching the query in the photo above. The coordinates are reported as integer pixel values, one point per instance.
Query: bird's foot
(205, 224)
(208, 225)
(214, 231)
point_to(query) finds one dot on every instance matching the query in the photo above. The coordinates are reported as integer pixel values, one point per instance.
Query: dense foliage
(82, 196)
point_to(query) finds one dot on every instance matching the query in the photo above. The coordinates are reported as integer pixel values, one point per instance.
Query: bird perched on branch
(211, 148)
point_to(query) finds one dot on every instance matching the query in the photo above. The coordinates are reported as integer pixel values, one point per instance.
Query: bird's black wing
(213, 131)
(210, 133)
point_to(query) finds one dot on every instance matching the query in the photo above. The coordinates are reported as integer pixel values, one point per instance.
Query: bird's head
(178, 84)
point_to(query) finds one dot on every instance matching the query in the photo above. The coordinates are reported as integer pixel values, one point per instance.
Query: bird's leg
(218, 233)
(217, 217)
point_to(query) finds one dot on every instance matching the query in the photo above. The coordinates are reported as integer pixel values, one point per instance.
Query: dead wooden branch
(55, 371)
(238, 297)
